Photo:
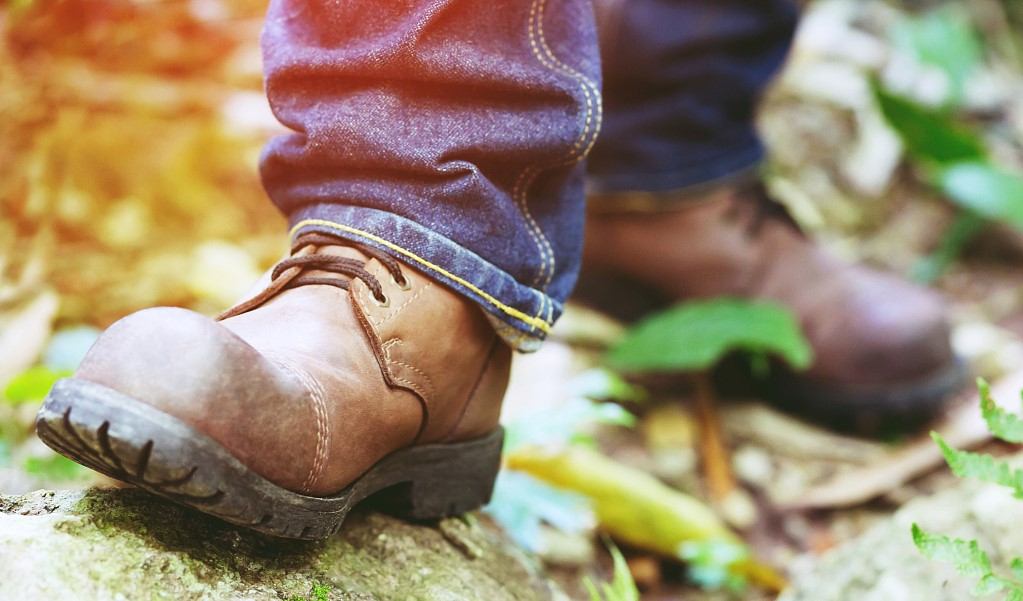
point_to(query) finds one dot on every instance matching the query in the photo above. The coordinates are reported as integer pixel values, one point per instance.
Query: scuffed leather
(316, 385)
(865, 326)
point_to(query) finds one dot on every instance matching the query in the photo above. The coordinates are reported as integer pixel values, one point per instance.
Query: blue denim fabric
(681, 82)
(447, 132)
(451, 133)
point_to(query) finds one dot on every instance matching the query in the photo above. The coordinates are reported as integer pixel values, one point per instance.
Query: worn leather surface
(314, 386)
(866, 327)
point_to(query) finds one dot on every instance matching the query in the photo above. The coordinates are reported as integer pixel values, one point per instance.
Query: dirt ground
(835, 164)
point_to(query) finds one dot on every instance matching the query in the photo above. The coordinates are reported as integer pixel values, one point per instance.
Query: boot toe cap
(193, 369)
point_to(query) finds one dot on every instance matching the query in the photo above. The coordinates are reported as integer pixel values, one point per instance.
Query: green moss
(126, 542)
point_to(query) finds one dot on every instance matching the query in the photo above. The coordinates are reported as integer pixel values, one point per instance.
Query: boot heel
(451, 479)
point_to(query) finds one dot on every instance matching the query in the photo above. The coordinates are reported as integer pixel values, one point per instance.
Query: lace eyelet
(384, 302)
(404, 284)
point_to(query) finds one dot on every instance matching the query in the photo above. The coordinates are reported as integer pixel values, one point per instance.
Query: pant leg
(446, 132)
(681, 83)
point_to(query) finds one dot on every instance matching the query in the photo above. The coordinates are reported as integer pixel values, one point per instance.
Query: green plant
(621, 588)
(949, 152)
(522, 503)
(712, 563)
(320, 592)
(694, 336)
(946, 39)
(32, 385)
(966, 555)
(54, 467)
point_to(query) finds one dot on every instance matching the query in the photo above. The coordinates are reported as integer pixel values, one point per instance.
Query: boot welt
(131, 441)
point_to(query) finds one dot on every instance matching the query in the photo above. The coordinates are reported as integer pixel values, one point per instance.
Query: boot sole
(131, 441)
(866, 409)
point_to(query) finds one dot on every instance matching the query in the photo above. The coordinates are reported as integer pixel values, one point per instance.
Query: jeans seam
(591, 94)
(532, 322)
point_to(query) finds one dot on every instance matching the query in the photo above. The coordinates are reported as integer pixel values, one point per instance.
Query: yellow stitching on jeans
(511, 311)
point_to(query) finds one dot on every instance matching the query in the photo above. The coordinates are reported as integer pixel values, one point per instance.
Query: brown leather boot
(350, 374)
(881, 344)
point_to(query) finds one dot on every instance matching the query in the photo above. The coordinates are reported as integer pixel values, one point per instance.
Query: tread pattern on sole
(125, 439)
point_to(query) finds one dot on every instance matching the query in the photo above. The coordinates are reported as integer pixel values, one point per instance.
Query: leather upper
(316, 384)
(865, 326)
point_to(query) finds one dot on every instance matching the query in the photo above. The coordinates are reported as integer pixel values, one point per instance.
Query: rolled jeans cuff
(521, 314)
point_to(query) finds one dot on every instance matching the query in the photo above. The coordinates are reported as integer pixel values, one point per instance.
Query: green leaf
(929, 135)
(943, 38)
(55, 467)
(564, 423)
(521, 503)
(622, 587)
(966, 226)
(988, 190)
(967, 556)
(712, 563)
(32, 385)
(1004, 425)
(1016, 565)
(694, 336)
(605, 385)
(989, 585)
(981, 467)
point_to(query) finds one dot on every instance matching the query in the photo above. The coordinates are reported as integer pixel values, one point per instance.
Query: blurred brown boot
(881, 344)
(351, 373)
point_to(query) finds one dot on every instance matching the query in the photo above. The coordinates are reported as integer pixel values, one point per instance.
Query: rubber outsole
(131, 441)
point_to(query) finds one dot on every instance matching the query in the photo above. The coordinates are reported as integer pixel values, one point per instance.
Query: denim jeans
(452, 133)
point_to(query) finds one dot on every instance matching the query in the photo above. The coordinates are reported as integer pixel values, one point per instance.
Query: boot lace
(294, 271)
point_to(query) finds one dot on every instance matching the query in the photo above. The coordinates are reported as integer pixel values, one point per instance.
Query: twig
(717, 465)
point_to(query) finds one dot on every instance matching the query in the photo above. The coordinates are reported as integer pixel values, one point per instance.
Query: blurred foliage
(56, 468)
(931, 136)
(120, 150)
(966, 555)
(943, 38)
(949, 151)
(712, 564)
(694, 336)
(31, 386)
(522, 503)
(621, 587)
(635, 507)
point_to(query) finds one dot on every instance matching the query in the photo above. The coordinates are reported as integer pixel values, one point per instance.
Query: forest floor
(99, 229)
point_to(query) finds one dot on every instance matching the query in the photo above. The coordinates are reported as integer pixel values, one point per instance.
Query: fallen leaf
(633, 506)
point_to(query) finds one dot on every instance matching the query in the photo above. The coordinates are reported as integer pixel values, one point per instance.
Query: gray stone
(126, 544)
(884, 565)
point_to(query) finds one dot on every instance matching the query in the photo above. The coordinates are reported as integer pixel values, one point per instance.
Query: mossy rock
(126, 544)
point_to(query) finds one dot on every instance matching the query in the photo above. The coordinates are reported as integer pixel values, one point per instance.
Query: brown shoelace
(294, 271)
